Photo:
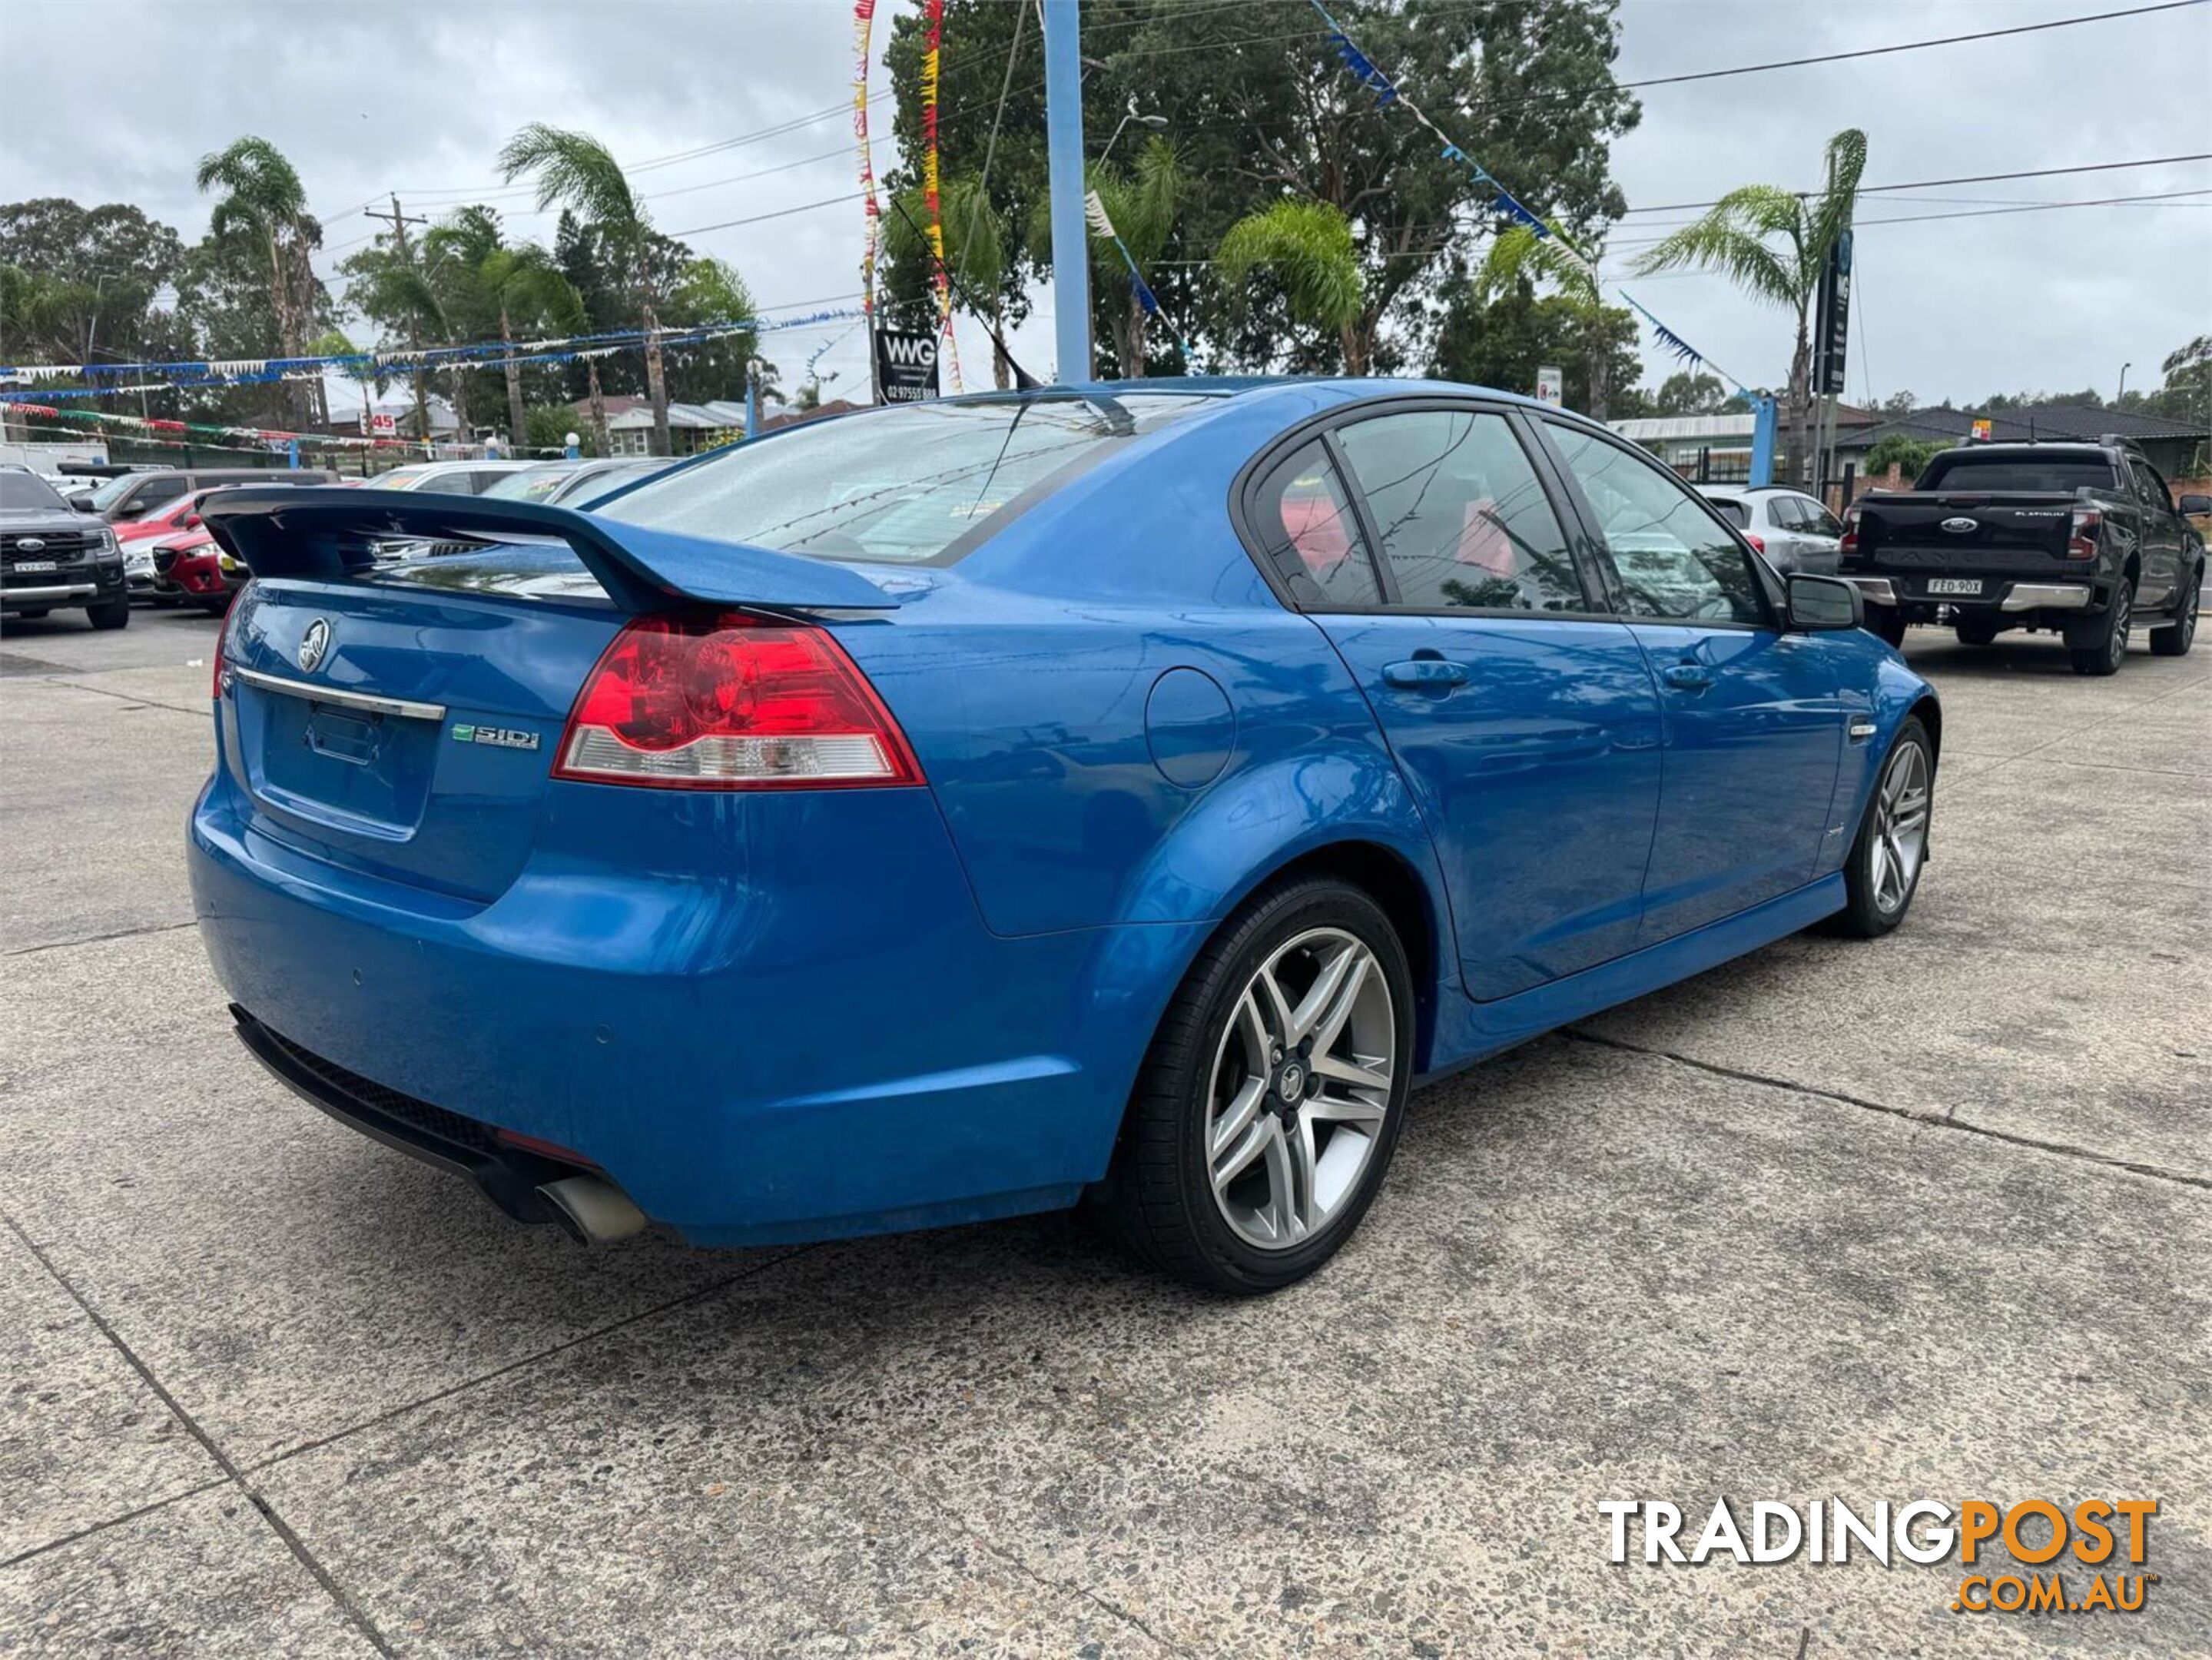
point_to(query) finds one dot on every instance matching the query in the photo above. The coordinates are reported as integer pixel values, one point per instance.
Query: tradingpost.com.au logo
(2103, 1536)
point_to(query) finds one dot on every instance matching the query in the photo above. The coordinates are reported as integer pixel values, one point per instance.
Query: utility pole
(1071, 250)
(400, 224)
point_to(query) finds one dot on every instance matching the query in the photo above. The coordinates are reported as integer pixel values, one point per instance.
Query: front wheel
(2176, 636)
(115, 614)
(2111, 650)
(1883, 871)
(1270, 1101)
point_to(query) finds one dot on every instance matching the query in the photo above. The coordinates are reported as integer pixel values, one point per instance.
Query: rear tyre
(1887, 623)
(1883, 871)
(2176, 636)
(2111, 650)
(115, 614)
(1270, 1101)
(1977, 634)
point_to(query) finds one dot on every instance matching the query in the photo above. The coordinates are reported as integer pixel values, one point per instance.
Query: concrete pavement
(1928, 1216)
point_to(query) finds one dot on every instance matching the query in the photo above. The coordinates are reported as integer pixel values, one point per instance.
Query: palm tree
(471, 261)
(1142, 204)
(1519, 252)
(1308, 246)
(1773, 244)
(388, 284)
(263, 194)
(576, 171)
(974, 251)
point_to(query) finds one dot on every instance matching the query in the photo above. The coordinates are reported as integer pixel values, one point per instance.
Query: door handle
(1425, 674)
(1688, 677)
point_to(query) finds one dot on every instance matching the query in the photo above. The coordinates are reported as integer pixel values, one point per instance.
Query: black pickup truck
(2082, 539)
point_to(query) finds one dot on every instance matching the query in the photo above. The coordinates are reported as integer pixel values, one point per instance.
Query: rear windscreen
(903, 483)
(2007, 473)
(1731, 511)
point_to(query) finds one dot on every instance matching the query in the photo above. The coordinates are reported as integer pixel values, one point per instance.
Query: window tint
(903, 483)
(154, 495)
(1675, 562)
(1976, 470)
(1818, 520)
(1313, 536)
(1731, 510)
(1462, 518)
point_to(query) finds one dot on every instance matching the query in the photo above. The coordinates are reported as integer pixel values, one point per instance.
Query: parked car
(2083, 539)
(559, 484)
(1793, 530)
(178, 519)
(1119, 792)
(132, 496)
(191, 568)
(51, 559)
(450, 477)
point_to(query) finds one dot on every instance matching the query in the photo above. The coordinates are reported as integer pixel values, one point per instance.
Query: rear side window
(905, 483)
(2000, 473)
(1732, 511)
(1463, 521)
(1312, 535)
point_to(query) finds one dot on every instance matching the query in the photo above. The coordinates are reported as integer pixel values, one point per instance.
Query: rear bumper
(2005, 595)
(785, 1022)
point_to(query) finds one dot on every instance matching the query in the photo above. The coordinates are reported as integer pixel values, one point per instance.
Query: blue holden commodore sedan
(1120, 794)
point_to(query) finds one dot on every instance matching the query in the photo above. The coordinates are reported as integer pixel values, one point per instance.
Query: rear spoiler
(291, 531)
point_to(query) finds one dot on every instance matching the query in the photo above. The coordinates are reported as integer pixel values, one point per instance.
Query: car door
(2161, 536)
(1425, 543)
(1752, 716)
(1820, 537)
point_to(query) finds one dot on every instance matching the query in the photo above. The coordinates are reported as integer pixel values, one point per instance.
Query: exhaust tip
(593, 1211)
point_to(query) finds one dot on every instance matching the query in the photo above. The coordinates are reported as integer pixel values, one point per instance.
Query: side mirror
(83, 504)
(1819, 603)
(2193, 504)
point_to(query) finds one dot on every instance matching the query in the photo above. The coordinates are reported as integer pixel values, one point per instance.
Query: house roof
(2080, 423)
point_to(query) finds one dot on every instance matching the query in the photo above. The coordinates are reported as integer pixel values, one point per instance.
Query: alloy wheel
(2122, 609)
(1300, 1085)
(1900, 828)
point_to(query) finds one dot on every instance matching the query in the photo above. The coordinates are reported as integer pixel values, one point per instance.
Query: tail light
(1847, 545)
(1757, 542)
(731, 701)
(2082, 541)
(221, 634)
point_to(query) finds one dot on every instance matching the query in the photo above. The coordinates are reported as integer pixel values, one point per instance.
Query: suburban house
(2176, 448)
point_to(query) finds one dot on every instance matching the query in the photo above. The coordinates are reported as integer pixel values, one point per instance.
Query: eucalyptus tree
(1774, 243)
(574, 171)
(1143, 204)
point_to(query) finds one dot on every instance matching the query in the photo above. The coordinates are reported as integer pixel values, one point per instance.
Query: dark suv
(53, 558)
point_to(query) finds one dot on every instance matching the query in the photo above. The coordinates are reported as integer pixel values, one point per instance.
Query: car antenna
(1023, 380)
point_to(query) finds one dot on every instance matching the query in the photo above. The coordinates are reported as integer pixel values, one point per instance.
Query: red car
(181, 514)
(191, 568)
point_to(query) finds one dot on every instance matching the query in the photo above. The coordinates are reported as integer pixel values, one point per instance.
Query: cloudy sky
(748, 98)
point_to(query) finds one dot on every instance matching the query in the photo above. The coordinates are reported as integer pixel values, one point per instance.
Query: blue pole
(752, 401)
(1071, 250)
(1762, 440)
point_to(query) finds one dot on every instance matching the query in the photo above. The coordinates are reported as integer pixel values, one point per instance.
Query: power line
(1984, 213)
(781, 213)
(1903, 45)
(1969, 179)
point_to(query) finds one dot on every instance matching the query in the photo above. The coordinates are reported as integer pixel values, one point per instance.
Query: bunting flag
(201, 374)
(1675, 342)
(1094, 211)
(932, 44)
(872, 210)
(1362, 70)
(178, 432)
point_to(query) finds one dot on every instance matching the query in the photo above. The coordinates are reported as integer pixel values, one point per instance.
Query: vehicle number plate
(33, 566)
(1955, 585)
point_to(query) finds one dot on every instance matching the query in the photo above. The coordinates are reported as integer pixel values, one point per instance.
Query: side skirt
(1468, 1032)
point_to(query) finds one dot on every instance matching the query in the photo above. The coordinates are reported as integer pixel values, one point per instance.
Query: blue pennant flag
(1363, 68)
(1146, 300)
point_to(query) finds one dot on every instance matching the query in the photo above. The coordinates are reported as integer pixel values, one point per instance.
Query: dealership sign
(906, 366)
